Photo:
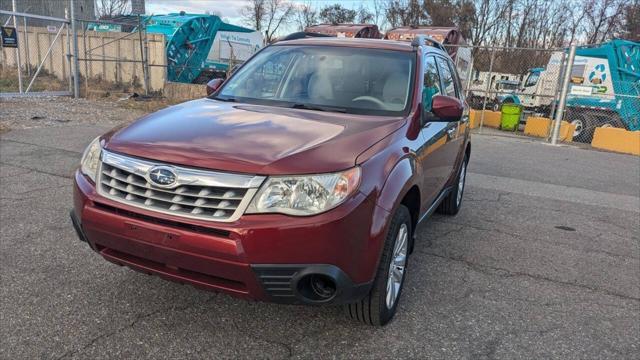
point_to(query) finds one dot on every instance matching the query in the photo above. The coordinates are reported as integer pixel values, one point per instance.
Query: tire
(374, 309)
(452, 203)
(586, 122)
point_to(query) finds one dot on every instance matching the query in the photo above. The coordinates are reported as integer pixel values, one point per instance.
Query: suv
(300, 179)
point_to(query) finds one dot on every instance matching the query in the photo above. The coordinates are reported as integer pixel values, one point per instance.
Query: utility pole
(74, 35)
(15, 27)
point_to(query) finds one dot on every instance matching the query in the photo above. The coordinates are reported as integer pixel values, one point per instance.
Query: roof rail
(302, 35)
(420, 40)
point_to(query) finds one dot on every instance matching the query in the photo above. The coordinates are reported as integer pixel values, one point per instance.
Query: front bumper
(261, 257)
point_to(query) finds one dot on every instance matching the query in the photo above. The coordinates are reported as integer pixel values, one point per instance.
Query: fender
(399, 181)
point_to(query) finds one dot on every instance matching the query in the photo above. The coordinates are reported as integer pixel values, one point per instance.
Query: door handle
(452, 132)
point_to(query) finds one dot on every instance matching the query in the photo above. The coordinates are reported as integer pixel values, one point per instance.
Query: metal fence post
(487, 88)
(76, 67)
(563, 96)
(66, 15)
(143, 58)
(27, 60)
(469, 75)
(19, 63)
(147, 74)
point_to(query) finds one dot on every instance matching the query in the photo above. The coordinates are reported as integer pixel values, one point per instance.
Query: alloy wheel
(397, 266)
(463, 173)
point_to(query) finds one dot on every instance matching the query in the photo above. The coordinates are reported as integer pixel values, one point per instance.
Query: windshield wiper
(318, 108)
(223, 99)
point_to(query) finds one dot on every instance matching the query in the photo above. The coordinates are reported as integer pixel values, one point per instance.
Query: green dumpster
(510, 117)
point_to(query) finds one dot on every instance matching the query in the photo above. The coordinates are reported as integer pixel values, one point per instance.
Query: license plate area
(139, 232)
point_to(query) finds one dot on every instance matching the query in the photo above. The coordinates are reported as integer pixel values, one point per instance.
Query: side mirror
(214, 85)
(446, 108)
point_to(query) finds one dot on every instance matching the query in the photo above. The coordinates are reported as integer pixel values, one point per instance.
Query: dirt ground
(28, 113)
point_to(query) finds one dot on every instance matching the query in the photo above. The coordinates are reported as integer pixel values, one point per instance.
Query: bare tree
(603, 19)
(378, 13)
(306, 16)
(337, 14)
(364, 16)
(253, 14)
(406, 13)
(111, 8)
(631, 27)
(268, 15)
(278, 12)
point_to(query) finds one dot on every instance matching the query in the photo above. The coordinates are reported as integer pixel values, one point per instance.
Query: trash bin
(510, 116)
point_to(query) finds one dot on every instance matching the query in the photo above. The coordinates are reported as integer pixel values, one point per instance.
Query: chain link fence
(604, 92)
(603, 89)
(113, 57)
(523, 90)
(40, 63)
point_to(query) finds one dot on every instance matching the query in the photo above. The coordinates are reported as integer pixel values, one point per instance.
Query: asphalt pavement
(543, 261)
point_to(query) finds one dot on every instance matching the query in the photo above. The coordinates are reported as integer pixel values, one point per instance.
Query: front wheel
(380, 305)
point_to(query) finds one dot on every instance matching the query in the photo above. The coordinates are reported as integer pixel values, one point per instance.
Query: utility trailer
(367, 31)
(450, 37)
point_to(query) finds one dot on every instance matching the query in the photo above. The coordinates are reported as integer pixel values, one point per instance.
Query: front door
(434, 155)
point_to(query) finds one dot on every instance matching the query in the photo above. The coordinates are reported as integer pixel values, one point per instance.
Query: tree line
(508, 23)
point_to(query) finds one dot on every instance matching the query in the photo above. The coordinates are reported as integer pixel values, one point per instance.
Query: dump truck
(450, 37)
(604, 88)
(200, 47)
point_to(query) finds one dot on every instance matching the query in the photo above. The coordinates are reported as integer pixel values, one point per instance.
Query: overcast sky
(230, 9)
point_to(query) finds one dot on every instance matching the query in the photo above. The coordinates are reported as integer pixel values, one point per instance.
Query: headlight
(306, 194)
(91, 159)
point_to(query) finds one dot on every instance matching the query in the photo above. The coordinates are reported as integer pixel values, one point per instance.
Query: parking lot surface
(543, 261)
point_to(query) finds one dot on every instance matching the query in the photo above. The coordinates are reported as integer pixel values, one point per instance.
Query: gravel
(27, 113)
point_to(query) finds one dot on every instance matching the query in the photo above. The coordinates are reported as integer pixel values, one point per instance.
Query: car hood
(251, 138)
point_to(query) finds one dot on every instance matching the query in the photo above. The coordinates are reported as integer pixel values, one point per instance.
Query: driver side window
(532, 80)
(432, 83)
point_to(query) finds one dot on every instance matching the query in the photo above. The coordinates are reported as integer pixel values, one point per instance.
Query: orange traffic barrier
(537, 126)
(616, 139)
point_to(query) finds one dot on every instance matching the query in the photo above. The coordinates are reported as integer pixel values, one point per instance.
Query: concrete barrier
(542, 127)
(537, 126)
(566, 132)
(491, 118)
(616, 139)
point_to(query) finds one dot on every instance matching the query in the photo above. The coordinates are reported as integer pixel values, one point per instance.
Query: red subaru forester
(300, 179)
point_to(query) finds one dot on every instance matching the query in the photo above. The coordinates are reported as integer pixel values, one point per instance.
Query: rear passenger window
(447, 78)
(431, 86)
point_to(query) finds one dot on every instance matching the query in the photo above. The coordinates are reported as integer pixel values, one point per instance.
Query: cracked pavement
(534, 266)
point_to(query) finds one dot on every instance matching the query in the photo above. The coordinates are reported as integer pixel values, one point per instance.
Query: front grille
(196, 194)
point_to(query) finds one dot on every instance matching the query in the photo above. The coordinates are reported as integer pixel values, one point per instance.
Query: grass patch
(44, 81)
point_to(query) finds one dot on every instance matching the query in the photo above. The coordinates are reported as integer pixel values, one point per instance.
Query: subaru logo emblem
(162, 176)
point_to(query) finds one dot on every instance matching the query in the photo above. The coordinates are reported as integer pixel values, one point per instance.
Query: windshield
(507, 86)
(532, 79)
(342, 79)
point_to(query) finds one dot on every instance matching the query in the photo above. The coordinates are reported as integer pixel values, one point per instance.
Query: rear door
(455, 137)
